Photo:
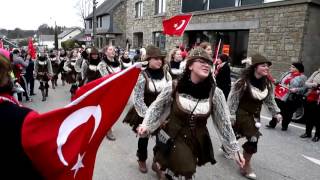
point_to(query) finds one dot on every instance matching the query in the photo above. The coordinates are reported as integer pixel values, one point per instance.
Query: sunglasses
(202, 61)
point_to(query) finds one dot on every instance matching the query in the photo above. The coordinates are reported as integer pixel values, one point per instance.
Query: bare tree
(84, 8)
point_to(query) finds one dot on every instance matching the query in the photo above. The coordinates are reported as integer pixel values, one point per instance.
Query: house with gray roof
(110, 22)
(68, 33)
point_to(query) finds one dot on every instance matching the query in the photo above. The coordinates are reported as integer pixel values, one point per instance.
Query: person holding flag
(181, 112)
(289, 94)
(61, 144)
(150, 84)
(16, 162)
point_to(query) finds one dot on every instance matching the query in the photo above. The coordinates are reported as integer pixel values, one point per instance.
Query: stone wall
(120, 21)
(311, 41)
(276, 30)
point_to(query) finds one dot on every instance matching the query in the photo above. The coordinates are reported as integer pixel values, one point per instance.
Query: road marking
(314, 160)
(293, 125)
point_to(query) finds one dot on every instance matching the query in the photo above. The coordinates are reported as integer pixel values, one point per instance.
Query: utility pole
(56, 45)
(94, 23)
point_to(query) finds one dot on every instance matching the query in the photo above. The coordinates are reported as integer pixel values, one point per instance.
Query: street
(281, 155)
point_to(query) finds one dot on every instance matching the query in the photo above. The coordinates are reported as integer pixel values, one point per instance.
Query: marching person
(183, 141)
(150, 83)
(62, 59)
(223, 74)
(293, 81)
(125, 60)
(78, 66)
(245, 101)
(312, 106)
(54, 59)
(109, 65)
(176, 63)
(71, 73)
(12, 118)
(43, 73)
(90, 67)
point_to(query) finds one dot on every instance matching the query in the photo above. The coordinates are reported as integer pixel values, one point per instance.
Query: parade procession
(160, 89)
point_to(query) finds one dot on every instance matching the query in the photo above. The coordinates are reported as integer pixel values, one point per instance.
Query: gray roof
(80, 37)
(46, 37)
(105, 8)
(66, 32)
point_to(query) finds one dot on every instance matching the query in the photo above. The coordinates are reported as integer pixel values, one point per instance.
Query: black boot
(305, 135)
(315, 138)
(47, 92)
(43, 95)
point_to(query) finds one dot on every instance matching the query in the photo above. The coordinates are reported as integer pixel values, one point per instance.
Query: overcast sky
(30, 14)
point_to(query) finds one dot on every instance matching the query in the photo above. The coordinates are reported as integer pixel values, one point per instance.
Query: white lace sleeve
(138, 96)
(221, 121)
(233, 101)
(271, 103)
(159, 110)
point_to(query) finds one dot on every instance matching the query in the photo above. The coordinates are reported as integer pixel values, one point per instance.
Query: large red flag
(31, 50)
(62, 144)
(176, 25)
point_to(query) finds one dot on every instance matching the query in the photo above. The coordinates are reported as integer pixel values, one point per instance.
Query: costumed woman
(62, 59)
(43, 72)
(108, 65)
(245, 101)
(125, 60)
(150, 83)
(55, 62)
(90, 67)
(176, 63)
(71, 73)
(183, 141)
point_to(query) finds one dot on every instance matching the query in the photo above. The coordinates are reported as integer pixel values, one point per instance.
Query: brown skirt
(245, 124)
(133, 119)
(188, 151)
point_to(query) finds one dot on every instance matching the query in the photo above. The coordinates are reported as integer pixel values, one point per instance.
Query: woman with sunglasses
(179, 116)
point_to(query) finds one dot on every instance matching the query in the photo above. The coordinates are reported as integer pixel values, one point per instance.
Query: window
(90, 24)
(139, 9)
(159, 40)
(251, 2)
(100, 21)
(160, 6)
(214, 4)
(194, 5)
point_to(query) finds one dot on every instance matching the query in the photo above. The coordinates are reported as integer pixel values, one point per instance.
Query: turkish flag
(176, 25)
(280, 91)
(62, 144)
(31, 50)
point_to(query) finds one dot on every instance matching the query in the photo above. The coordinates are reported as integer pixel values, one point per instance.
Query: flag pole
(217, 52)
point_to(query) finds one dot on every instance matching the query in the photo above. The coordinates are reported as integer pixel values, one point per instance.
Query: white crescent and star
(180, 25)
(73, 121)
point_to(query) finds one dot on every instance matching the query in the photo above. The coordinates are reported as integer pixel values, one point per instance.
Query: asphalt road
(281, 155)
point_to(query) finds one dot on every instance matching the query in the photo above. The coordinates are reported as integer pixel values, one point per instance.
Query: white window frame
(139, 14)
(161, 6)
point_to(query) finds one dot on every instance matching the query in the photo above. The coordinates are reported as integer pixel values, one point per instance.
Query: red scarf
(292, 76)
(6, 97)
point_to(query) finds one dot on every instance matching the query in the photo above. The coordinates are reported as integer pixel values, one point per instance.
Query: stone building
(110, 22)
(283, 31)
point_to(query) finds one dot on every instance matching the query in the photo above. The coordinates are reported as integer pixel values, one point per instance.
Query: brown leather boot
(142, 166)
(247, 171)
